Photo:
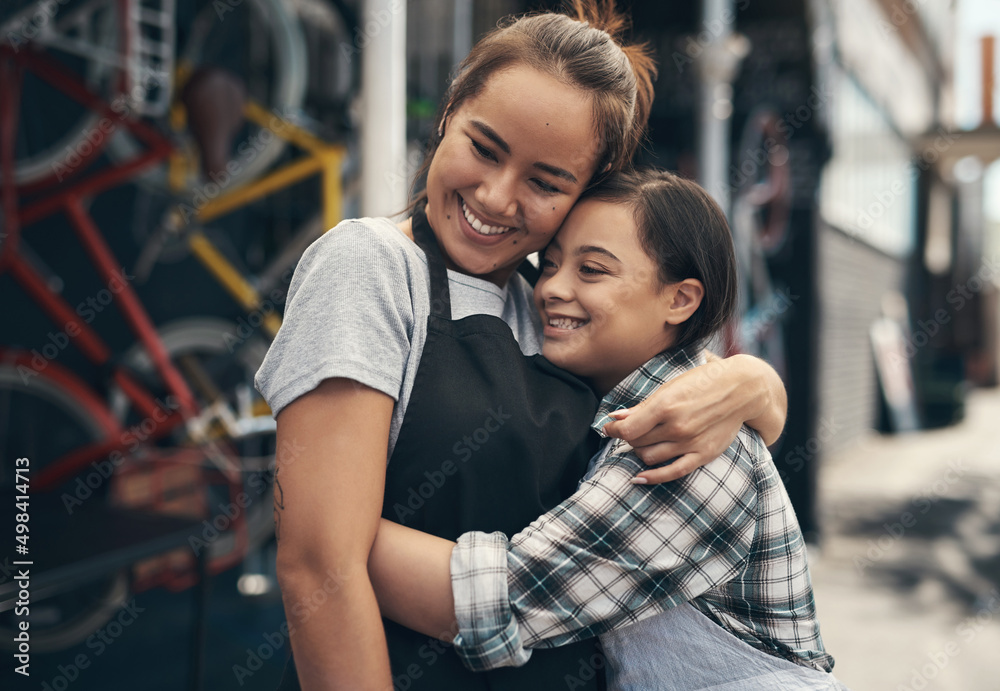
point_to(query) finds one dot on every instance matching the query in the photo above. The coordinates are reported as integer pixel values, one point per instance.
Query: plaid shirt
(724, 538)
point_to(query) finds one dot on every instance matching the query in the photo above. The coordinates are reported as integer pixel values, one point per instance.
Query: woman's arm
(572, 574)
(410, 569)
(328, 499)
(694, 417)
(410, 573)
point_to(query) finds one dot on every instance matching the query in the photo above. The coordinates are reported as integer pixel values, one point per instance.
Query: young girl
(415, 347)
(700, 583)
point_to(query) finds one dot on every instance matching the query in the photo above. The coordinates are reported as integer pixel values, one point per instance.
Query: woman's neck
(406, 228)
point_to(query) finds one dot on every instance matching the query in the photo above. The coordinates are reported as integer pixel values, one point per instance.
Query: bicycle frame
(69, 194)
(70, 198)
(320, 158)
(70, 201)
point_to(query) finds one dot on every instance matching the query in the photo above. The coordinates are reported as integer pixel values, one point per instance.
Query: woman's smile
(504, 176)
(478, 229)
(481, 227)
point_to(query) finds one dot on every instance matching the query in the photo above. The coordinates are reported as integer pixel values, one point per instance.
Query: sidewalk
(908, 576)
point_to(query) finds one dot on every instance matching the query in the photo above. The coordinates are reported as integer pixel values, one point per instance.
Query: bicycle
(128, 55)
(38, 393)
(760, 224)
(92, 432)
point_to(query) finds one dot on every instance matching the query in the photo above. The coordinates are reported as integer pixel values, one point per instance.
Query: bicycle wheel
(56, 135)
(44, 415)
(219, 360)
(121, 51)
(256, 37)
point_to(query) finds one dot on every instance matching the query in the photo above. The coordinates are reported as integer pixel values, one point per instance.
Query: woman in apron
(414, 344)
(692, 585)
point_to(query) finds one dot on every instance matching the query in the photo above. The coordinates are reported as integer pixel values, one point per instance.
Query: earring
(441, 129)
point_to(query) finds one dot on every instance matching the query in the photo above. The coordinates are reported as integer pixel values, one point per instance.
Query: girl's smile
(604, 310)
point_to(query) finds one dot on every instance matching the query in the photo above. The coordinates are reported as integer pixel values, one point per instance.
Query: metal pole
(461, 42)
(382, 38)
(720, 56)
(987, 43)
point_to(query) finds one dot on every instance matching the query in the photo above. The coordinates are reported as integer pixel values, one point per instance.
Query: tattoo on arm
(279, 494)
(279, 505)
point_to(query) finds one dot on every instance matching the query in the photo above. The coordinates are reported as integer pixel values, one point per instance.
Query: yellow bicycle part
(320, 157)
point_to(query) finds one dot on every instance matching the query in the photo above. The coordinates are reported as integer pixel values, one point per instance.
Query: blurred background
(163, 164)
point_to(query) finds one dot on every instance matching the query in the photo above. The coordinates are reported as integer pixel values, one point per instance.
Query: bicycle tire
(230, 367)
(290, 71)
(39, 167)
(42, 418)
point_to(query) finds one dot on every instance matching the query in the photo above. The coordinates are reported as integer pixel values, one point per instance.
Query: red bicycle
(181, 428)
(175, 453)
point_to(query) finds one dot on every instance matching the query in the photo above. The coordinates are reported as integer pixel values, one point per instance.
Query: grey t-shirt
(357, 308)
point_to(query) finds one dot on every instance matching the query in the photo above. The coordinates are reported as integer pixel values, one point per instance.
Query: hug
(400, 338)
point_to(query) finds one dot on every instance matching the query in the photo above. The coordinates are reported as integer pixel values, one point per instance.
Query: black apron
(491, 440)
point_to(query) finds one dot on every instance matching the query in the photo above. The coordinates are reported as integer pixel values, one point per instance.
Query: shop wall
(853, 277)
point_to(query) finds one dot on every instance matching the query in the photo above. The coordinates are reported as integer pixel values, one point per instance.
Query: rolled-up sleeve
(488, 633)
(611, 555)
